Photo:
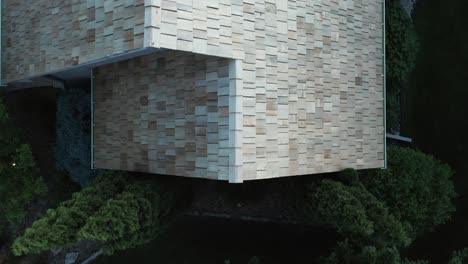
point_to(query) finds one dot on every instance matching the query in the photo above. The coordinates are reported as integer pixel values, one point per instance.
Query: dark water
(211, 240)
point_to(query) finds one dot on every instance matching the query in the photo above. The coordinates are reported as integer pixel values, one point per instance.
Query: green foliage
(393, 111)
(19, 186)
(73, 134)
(113, 210)
(459, 257)
(345, 253)
(355, 213)
(20, 182)
(401, 43)
(3, 112)
(417, 188)
(388, 231)
(349, 176)
(379, 211)
(335, 204)
(61, 226)
(124, 214)
(254, 260)
(130, 219)
(24, 160)
(9, 139)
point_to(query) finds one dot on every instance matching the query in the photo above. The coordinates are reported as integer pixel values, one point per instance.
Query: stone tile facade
(311, 71)
(44, 36)
(280, 87)
(165, 113)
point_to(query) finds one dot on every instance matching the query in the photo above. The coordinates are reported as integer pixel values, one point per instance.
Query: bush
(61, 226)
(356, 214)
(379, 211)
(417, 188)
(128, 220)
(9, 139)
(402, 44)
(459, 257)
(344, 253)
(254, 260)
(393, 112)
(20, 182)
(113, 210)
(20, 185)
(73, 150)
(349, 177)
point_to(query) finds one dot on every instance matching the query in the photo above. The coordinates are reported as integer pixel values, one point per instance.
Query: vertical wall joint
(384, 81)
(235, 121)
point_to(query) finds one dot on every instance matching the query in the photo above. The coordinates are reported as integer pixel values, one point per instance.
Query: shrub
(345, 253)
(128, 220)
(9, 139)
(114, 210)
(417, 188)
(61, 226)
(402, 44)
(349, 176)
(356, 214)
(254, 260)
(393, 112)
(21, 184)
(3, 112)
(332, 203)
(73, 150)
(459, 257)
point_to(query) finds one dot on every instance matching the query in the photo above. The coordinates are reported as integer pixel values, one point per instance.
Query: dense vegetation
(377, 212)
(401, 53)
(73, 134)
(345, 253)
(20, 182)
(434, 111)
(417, 188)
(401, 42)
(459, 257)
(115, 210)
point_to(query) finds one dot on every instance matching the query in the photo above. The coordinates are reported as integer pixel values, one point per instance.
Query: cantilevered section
(241, 90)
(307, 98)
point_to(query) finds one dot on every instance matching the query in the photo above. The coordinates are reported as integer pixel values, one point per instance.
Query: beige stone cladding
(165, 113)
(247, 89)
(44, 36)
(312, 91)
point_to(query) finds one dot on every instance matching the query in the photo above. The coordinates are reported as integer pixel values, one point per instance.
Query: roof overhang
(83, 71)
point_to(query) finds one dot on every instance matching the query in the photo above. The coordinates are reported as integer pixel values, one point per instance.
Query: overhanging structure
(238, 90)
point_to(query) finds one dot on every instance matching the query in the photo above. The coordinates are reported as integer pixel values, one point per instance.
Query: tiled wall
(303, 95)
(164, 113)
(42, 36)
(311, 71)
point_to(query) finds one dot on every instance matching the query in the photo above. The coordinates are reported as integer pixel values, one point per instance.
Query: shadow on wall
(73, 149)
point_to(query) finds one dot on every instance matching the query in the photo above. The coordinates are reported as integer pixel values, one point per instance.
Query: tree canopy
(417, 188)
(379, 211)
(115, 210)
(20, 181)
(401, 42)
